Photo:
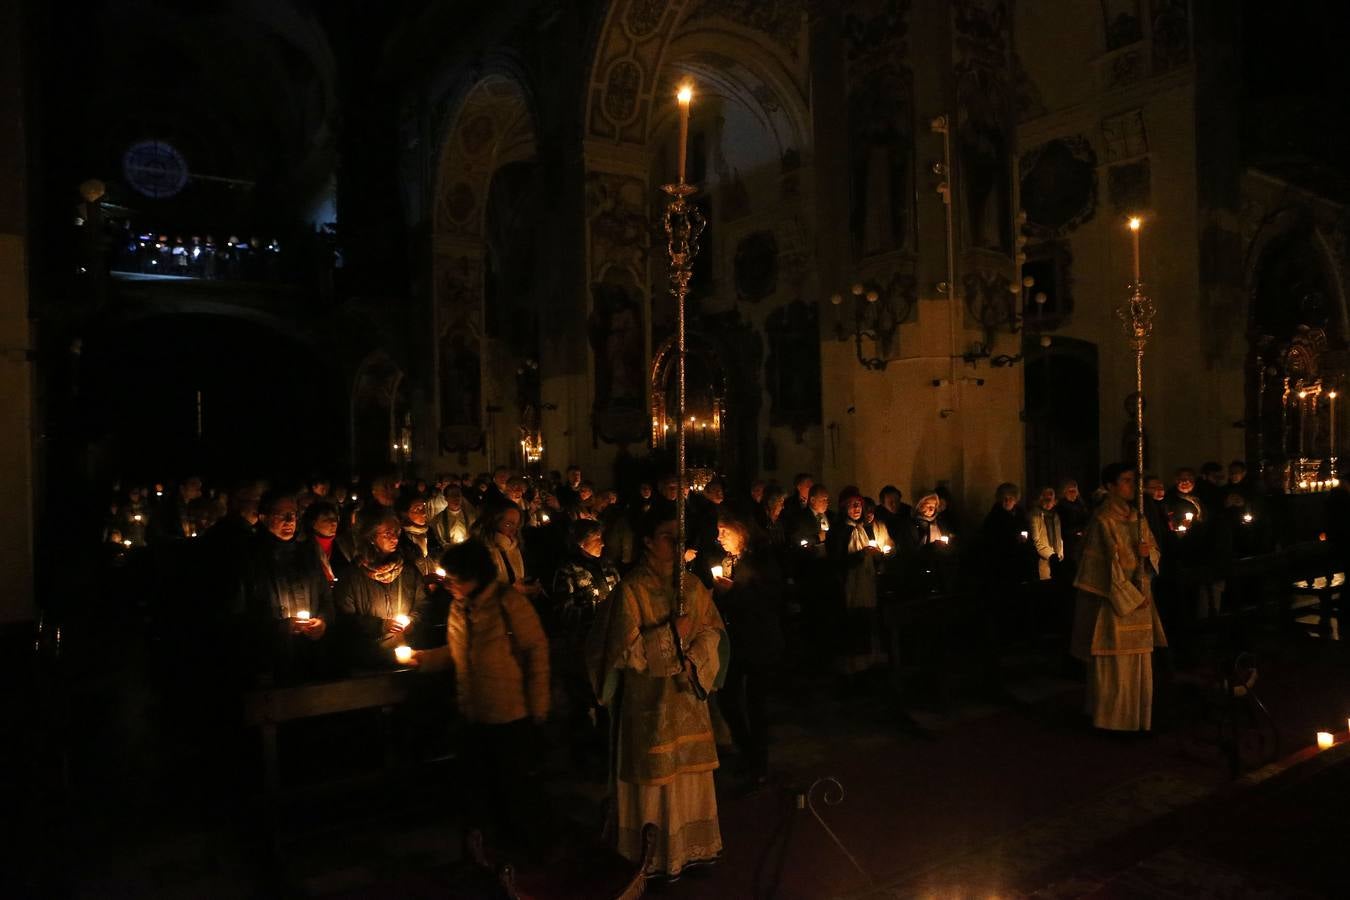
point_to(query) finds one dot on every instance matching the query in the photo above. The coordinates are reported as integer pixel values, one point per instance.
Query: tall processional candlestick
(1136, 314)
(684, 224)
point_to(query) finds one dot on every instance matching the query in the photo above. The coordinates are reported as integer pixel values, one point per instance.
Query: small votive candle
(871, 543)
(1181, 529)
(885, 548)
(440, 573)
(804, 542)
(1024, 535)
(403, 620)
(1190, 516)
(945, 539)
(403, 653)
(1247, 518)
(302, 615)
(717, 571)
(544, 517)
(1325, 740)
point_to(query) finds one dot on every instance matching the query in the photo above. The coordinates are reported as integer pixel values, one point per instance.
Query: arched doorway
(1062, 414)
(486, 192)
(381, 417)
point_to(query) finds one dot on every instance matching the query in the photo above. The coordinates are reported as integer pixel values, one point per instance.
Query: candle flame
(1135, 223)
(685, 93)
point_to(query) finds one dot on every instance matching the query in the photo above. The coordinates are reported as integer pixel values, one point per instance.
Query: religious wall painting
(755, 266)
(1171, 34)
(619, 351)
(1129, 187)
(620, 232)
(984, 123)
(881, 162)
(1124, 136)
(1059, 186)
(1122, 23)
(792, 371)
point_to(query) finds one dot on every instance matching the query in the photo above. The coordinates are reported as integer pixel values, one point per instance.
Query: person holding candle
(855, 548)
(749, 596)
(418, 542)
(581, 588)
(320, 530)
(665, 753)
(931, 554)
(285, 597)
(1046, 535)
(1116, 625)
(453, 523)
(499, 530)
(376, 600)
(500, 656)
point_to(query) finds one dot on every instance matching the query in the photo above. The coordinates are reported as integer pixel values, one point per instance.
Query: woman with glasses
(375, 601)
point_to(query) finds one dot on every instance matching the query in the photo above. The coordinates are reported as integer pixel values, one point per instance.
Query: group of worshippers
(518, 586)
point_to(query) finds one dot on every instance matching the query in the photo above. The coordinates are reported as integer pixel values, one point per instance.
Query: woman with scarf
(320, 528)
(858, 552)
(375, 602)
(931, 548)
(419, 544)
(499, 530)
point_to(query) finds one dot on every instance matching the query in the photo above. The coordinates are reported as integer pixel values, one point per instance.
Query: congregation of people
(550, 599)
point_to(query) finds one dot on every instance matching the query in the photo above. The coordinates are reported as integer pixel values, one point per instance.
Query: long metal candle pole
(1137, 316)
(683, 225)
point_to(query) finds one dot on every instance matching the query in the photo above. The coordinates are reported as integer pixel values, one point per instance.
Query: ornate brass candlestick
(1136, 314)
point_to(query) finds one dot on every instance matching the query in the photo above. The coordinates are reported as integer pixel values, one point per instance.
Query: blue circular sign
(155, 169)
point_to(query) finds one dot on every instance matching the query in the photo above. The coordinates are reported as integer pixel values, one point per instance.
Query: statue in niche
(880, 162)
(617, 340)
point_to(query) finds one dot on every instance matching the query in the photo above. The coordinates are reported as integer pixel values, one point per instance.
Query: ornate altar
(1296, 394)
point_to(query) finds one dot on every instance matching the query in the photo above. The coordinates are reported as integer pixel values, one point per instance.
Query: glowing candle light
(127, 544)
(1325, 740)
(403, 653)
(685, 96)
(1181, 529)
(1135, 224)
(717, 571)
(403, 620)
(886, 548)
(804, 542)
(1024, 535)
(544, 517)
(1190, 516)
(302, 615)
(946, 539)
(440, 573)
(1246, 518)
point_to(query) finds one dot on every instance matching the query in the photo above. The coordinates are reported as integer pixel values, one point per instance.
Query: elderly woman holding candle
(375, 601)
(419, 543)
(500, 657)
(285, 595)
(854, 545)
(749, 594)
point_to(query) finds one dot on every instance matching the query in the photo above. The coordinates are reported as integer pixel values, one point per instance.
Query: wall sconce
(875, 318)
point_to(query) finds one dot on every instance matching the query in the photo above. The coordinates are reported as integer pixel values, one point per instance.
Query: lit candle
(544, 517)
(403, 653)
(1135, 223)
(1246, 518)
(685, 95)
(1181, 529)
(1024, 535)
(717, 571)
(1190, 516)
(302, 615)
(885, 548)
(871, 543)
(440, 573)
(945, 539)
(127, 543)
(804, 542)
(403, 620)
(1325, 740)
(136, 518)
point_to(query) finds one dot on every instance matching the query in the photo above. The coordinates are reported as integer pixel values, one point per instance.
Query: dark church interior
(747, 449)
